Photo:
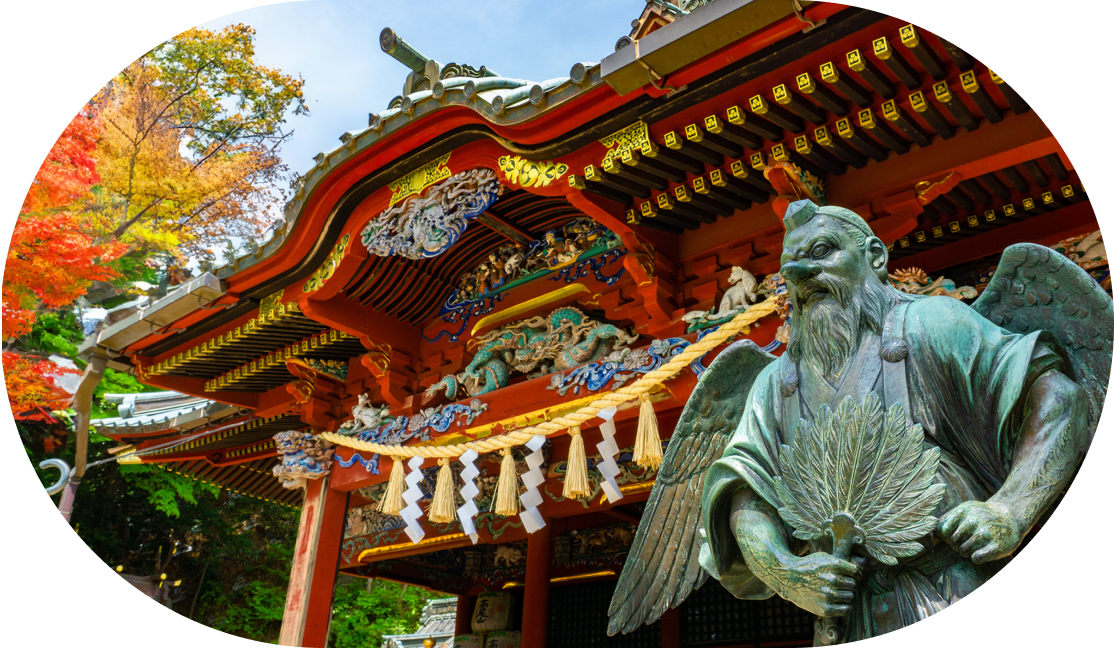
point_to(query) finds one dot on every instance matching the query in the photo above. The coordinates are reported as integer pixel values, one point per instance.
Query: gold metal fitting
(758, 105)
(909, 36)
(829, 72)
(593, 173)
(738, 169)
(779, 153)
(683, 193)
(916, 100)
(576, 182)
(844, 128)
(672, 141)
(700, 185)
(823, 137)
(866, 118)
(802, 144)
(756, 161)
(882, 48)
(648, 209)
(716, 177)
(890, 110)
(736, 116)
(633, 217)
(693, 133)
(942, 91)
(970, 81)
(781, 94)
(855, 61)
(713, 124)
(665, 201)
(805, 83)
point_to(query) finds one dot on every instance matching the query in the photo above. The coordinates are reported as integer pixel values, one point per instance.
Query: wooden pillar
(464, 603)
(309, 597)
(535, 604)
(671, 628)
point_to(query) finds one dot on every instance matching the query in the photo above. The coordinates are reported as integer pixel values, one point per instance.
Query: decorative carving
(428, 225)
(531, 173)
(916, 282)
(514, 264)
(592, 265)
(322, 274)
(1087, 250)
(283, 355)
(509, 555)
(375, 424)
(304, 456)
(618, 367)
(538, 346)
(416, 181)
(741, 294)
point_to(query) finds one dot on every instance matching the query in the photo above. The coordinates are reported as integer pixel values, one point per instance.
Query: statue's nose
(798, 271)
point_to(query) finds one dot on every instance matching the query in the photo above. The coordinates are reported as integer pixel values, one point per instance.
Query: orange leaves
(69, 170)
(33, 382)
(50, 262)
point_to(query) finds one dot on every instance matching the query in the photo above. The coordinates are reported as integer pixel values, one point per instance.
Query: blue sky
(334, 45)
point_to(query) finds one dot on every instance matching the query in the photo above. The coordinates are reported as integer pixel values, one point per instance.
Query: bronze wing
(661, 569)
(1036, 288)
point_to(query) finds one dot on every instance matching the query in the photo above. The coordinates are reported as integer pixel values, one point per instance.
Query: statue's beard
(826, 330)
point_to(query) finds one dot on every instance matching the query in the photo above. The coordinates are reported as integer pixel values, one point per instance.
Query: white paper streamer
(468, 511)
(413, 512)
(608, 449)
(531, 517)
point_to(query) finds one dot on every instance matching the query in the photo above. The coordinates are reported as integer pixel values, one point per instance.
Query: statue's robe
(966, 382)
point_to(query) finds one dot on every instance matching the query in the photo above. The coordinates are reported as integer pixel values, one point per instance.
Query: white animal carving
(508, 555)
(743, 292)
(369, 416)
(514, 264)
(1090, 251)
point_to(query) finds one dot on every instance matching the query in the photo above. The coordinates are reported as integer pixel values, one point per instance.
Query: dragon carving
(304, 456)
(564, 339)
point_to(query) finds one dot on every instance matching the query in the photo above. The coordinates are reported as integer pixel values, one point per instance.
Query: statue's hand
(981, 531)
(819, 582)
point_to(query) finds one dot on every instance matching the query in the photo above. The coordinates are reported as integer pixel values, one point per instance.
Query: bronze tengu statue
(891, 460)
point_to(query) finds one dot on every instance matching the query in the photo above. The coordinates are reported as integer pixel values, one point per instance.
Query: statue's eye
(820, 250)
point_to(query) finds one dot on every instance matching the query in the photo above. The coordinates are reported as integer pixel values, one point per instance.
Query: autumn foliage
(35, 382)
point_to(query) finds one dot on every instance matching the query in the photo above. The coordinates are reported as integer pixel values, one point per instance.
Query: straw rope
(611, 399)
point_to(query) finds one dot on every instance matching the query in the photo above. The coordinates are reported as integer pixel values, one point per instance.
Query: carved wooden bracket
(393, 384)
(317, 396)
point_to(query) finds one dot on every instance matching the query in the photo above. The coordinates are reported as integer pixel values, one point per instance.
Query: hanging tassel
(392, 502)
(443, 508)
(506, 491)
(576, 474)
(647, 443)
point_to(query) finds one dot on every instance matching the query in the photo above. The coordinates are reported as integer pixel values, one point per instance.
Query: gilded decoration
(564, 339)
(635, 137)
(218, 436)
(304, 456)
(279, 357)
(322, 274)
(424, 226)
(531, 173)
(417, 181)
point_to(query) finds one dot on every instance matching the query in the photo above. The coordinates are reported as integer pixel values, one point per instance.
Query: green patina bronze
(894, 457)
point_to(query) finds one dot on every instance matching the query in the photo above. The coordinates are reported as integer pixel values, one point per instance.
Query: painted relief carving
(916, 282)
(427, 225)
(742, 293)
(376, 424)
(618, 367)
(304, 456)
(537, 346)
(512, 264)
(322, 274)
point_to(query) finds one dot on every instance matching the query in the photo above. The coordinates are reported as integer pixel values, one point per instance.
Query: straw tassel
(443, 508)
(392, 502)
(647, 443)
(506, 491)
(576, 474)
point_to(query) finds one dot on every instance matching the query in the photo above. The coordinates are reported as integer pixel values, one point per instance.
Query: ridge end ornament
(831, 490)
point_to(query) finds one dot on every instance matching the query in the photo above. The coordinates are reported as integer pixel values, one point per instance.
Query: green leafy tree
(364, 611)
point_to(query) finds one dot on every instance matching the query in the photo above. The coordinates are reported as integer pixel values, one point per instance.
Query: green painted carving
(846, 514)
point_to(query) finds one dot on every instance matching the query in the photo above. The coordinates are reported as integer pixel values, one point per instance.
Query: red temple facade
(489, 254)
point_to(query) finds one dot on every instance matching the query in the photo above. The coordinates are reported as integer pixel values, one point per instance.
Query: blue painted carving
(613, 371)
(434, 419)
(594, 265)
(370, 465)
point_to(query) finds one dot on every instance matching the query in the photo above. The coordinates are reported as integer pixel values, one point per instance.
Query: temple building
(488, 256)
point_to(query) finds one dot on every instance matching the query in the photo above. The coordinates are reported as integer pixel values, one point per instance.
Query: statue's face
(820, 260)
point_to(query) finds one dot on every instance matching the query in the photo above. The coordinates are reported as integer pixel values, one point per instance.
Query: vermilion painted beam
(1061, 223)
(535, 603)
(309, 597)
(344, 315)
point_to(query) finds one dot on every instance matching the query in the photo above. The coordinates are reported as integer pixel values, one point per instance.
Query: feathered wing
(661, 568)
(1037, 288)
